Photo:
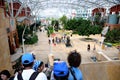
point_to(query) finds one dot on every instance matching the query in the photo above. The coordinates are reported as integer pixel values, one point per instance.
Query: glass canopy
(60, 7)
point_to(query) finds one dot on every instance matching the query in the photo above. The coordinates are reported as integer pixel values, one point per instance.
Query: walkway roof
(65, 5)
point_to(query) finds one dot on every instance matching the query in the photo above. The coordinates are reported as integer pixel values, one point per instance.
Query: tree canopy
(82, 27)
(63, 19)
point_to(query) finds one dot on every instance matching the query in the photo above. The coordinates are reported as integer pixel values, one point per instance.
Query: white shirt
(26, 74)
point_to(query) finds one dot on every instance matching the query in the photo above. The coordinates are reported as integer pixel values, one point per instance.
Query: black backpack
(33, 76)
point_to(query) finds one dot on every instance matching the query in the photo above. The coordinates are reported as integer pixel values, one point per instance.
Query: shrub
(113, 36)
(31, 39)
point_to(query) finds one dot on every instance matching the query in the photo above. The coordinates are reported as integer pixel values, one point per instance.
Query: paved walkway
(42, 48)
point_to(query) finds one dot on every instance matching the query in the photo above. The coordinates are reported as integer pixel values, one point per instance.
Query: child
(88, 47)
(74, 61)
(38, 66)
(4, 75)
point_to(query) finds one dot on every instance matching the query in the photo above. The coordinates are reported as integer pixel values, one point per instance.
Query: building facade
(4, 44)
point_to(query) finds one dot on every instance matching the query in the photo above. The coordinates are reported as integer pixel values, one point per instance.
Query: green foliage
(82, 27)
(98, 20)
(29, 37)
(72, 24)
(102, 22)
(95, 29)
(35, 26)
(20, 29)
(17, 63)
(55, 23)
(116, 44)
(50, 30)
(63, 19)
(113, 36)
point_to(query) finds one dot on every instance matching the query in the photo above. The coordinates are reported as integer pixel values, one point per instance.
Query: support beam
(12, 14)
(20, 9)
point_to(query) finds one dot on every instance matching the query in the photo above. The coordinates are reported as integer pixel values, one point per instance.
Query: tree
(55, 24)
(63, 19)
(35, 26)
(49, 30)
(97, 18)
(82, 27)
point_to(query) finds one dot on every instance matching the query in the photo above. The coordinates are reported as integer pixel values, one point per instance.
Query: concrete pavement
(41, 49)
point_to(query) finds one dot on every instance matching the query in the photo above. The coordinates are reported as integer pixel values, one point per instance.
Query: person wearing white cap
(27, 73)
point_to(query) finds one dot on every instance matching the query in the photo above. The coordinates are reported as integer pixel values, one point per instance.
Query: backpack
(33, 76)
(60, 70)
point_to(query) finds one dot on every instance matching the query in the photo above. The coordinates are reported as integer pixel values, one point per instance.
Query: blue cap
(60, 69)
(27, 58)
(36, 65)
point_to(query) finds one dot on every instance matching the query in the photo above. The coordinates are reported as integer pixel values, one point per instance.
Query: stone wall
(5, 61)
(101, 71)
(113, 26)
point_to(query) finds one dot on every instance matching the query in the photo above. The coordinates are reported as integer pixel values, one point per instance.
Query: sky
(51, 13)
(55, 13)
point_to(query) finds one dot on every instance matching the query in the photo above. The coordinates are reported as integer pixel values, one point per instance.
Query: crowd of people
(33, 69)
(63, 39)
(57, 40)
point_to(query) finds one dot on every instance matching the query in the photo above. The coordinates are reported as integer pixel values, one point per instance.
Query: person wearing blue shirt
(74, 61)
